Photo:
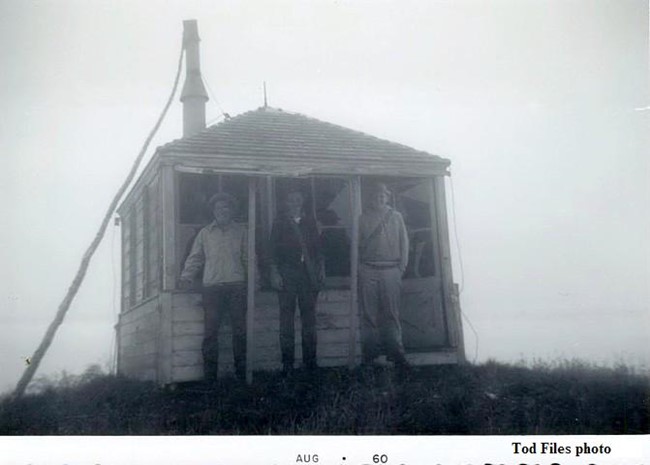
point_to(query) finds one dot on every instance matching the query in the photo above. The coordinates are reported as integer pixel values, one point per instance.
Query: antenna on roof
(265, 102)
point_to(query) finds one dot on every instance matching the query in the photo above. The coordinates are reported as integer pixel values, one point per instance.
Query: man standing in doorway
(383, 257)
(297, 274)
(221, 251)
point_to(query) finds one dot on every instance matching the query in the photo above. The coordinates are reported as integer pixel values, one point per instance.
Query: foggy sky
(539, 106)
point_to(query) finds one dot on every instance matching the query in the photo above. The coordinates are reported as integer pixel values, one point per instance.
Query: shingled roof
(273, 141)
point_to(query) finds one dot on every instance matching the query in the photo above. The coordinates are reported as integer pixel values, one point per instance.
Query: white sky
(533, 102)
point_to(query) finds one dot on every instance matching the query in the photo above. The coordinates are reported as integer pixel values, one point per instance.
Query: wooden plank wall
(333, 323)
(138, 334)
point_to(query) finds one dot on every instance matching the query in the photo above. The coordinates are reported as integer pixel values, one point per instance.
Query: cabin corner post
(165, 346)
(458, 314)
(251, 285)
(355, 208)
(118, 325)
(115, 365)
(444, 250)
(168, 227)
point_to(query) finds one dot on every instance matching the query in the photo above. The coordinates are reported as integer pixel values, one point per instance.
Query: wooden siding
(161, 339)
(332, 322)
(138, 336)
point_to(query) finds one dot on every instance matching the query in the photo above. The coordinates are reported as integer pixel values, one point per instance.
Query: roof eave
(147, 174)
(211, 163)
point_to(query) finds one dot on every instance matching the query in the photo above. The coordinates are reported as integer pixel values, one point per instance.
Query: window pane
(194, 192)
(332, 204)
(412, 200)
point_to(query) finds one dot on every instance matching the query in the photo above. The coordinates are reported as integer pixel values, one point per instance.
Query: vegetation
(563, 398)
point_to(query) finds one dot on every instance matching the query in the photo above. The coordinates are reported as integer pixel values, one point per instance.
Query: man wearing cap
(221, 251)
(383, 257)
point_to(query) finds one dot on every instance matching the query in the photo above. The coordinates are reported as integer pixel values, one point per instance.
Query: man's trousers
(297, 289)
(379, 299)
(219, 301)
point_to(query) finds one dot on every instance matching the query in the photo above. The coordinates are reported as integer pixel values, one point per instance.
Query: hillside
(567, 398)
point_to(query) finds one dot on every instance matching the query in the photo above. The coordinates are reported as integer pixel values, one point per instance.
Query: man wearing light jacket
(383, 257)
(221, 251)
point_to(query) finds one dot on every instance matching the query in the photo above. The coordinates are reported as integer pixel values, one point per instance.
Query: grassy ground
(568, 398)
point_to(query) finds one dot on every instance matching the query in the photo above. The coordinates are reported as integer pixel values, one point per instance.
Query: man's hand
(185, 284)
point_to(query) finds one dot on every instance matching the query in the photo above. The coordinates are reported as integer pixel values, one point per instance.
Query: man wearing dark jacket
(297, 274)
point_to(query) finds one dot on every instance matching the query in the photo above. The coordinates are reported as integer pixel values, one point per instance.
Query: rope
(460, 256)
(85, 261)
(215, 100)
(462, 272)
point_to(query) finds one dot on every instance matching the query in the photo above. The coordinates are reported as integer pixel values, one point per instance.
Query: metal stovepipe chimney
(194, 95)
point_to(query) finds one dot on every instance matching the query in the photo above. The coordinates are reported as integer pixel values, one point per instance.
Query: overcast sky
(539, 106)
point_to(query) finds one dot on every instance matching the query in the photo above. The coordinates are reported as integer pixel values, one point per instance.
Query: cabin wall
(139, 326)
(160, 340)
(138, 341)
(142, 246)
(332, 324)
(160, 334)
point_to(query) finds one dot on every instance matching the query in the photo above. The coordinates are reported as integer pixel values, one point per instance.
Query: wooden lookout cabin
(257, 156)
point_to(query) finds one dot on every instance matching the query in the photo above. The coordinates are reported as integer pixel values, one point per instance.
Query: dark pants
(297, 288)
(217, 302)
(379, 299)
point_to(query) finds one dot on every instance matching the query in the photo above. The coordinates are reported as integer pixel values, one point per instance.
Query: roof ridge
(365, 134)
(337, 126)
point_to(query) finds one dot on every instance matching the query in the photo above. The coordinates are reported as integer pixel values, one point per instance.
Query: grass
(492, 398)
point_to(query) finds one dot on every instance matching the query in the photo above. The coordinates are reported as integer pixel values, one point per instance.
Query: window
(133, 256)
(327, 199)
(128, 281)
(152, 234)
(194, 192)
(334, 215)
(141, 247)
